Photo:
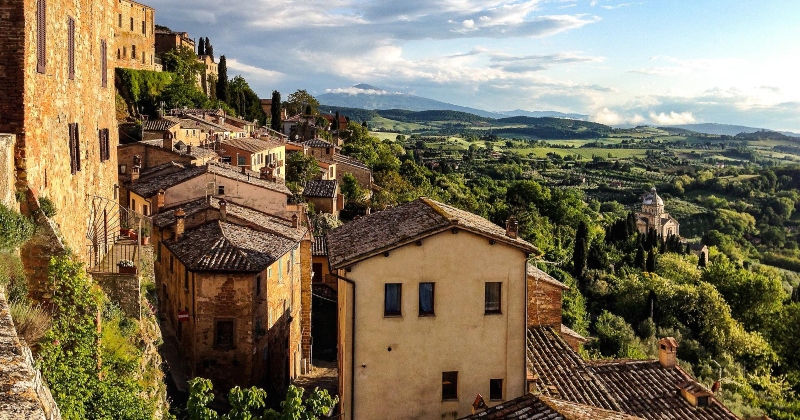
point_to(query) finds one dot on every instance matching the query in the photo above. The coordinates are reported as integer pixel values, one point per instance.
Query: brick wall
(544, 304)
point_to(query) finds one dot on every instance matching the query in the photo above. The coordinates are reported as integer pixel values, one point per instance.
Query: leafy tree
(275, 112)
(352, 191)
(299, 101)
(222, 81)
(615, 338)
(183, 63)
(248, 404)
(245, 101)
(301, 168)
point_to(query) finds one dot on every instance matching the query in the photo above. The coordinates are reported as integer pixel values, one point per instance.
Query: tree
(639, 262)
(275, 111)
(209, 50)
(651, 261)
(352, 192)
(222, 81)
(336, 121)
(183, 62)
(201, 47)
(579, 254)
(248, 404)
(298, 102)
(245, 101)
(301, 168)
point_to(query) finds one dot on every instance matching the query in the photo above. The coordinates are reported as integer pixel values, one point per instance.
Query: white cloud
(235, 64)
(469, 23)
(673, 118)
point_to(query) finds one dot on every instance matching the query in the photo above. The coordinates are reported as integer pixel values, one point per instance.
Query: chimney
(668, 352)
(188, 149)
(180, 224)
(168, 142)
(295, 220)
(512, 227)
(223, 210)
(135, 173)
(244, 169)
(160, 200)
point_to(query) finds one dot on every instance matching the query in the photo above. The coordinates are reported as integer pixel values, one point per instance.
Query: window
(104, 63)
(258, 286)
(120, 20)
(105, 150)
(221, 190)
(131, 23)
(449, 386)
(74, 149)
(71, 47)
(495, 389)
(492, 301)
(145, 210)
(317, 269)
(123, 169)
(426, 299)
(41, 36)
(144, 27)
(226, 159)
(392, 298)
(133, 51)
(702, 401)
(223, 333)
(241, 161)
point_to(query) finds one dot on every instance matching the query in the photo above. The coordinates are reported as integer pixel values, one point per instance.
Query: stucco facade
(391, 367)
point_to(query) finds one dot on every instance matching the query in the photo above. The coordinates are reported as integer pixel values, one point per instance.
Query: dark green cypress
(651, 261)
(222, 82)
(275, 111)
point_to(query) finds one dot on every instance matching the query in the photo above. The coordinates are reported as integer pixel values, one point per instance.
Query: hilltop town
(175, 246)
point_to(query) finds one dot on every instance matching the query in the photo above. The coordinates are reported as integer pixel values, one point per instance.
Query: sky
(662, 62)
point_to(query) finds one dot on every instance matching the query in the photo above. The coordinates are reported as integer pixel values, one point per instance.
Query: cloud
(673, 118)
(613, 118)
(608, 7)
(234, 64)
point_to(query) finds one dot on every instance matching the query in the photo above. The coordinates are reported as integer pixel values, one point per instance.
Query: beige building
(208, 76)
(255, 154)
(654, 217)
(134, 35)
(432, 312)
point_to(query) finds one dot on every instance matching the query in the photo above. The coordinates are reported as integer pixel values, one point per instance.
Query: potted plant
(124, 227)
(126, 267)
(145, 239)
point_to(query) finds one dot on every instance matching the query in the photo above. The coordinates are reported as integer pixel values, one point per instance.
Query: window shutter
(77, 148)
(72, 156)
(71, 47)
(41, 36)
(104, 63)
(103, 137)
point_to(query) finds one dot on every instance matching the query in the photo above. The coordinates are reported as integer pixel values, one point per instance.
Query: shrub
(32, 322)
(15, 228)
(48, 207)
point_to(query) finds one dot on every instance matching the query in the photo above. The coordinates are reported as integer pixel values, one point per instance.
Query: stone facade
(167, 40)
(50, 84)
(7, 178)
(208, 77)
(122, 289)
(544, 303)
(653, 216)
(135, 35)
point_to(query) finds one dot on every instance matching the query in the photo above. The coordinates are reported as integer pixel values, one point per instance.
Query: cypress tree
(688, 249)
(631, 222)
(222, 82)
(639, 261)
(336, 121)
(651, 261)
(201, 47)
(579, 254)
(275, 111)
(209, 49)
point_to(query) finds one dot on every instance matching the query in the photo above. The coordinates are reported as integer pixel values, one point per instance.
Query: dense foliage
(15, 228)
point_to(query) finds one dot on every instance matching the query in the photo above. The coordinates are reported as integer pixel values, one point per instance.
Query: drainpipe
(352, 346)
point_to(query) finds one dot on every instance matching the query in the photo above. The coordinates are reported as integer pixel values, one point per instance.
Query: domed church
(653, 216)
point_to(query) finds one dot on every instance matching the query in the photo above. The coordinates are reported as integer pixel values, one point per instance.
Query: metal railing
(115, 237)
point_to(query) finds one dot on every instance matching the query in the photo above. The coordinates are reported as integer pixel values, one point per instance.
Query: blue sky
(619, 61)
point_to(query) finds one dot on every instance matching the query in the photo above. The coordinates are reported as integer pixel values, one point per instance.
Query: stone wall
(36, 253)
(135, 48)
(122, 289)
(544, 304)
(23, 392)
(7, 177)
(305, 296)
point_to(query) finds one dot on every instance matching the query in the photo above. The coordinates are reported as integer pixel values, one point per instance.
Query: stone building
(230, 282)
(654, 217)
(182, 130)
(134, 35)
(57, 90)
(255, 154)
(544, 305)
(208, 76)
(432, 309)
(167, 40)
(324, 195)
(349, 165)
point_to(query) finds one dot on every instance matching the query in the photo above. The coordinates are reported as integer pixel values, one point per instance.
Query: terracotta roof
(222, 246)
(272, 141)
(325, 188)
(158, 168)
(319, 248)
(648, 390)
(248, 144)
(197, 152)
(534, 272)
(565, 330)
(317, 143)
(245, 215)
(540, 407)
(347, 160)
(201, 125)
(559, 372)
(407, 222)
(149, 187)
(162, 124)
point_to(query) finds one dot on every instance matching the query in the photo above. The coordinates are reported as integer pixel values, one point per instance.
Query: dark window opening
(449, 386)
(317, 268)
(426, 299)
(492, 300)
(702, 401)
(133, 51)
(131, 23)
(392, 299)
(144, 27)
(105, 149)
(120, 20)
(495, 389)
(104, 63)
(221, 190)
(223, 333)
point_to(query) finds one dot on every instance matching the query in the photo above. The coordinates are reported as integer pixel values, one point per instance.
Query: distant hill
(363, 96)
(763, 135)
(539, 114)
(725, 129)
(431, 116)
(678, 131)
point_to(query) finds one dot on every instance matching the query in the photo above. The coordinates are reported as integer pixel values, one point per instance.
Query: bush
(12, 277)
(15, 229)
(32, 322)
(48, 207)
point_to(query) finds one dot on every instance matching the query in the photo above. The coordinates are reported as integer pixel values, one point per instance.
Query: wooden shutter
(73, 158)
(41, 36)
(103, 63)
(71, 47)
(105, 149)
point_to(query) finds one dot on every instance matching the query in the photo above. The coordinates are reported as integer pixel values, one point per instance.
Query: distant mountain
(369, 97)
(539, 114)
(726, 129)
